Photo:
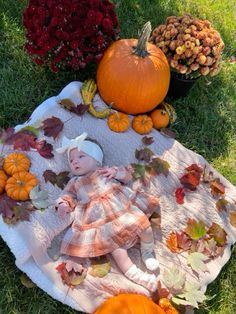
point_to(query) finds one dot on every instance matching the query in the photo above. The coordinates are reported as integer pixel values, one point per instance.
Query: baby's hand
(108, 172)
(63, 209)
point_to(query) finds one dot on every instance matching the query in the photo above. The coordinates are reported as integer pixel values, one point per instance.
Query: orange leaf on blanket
(217, 188)
(52, 126)
(60, 179)
(232, 218)
(218, 233)
(172, 243)
(179, 195)
(195, 229)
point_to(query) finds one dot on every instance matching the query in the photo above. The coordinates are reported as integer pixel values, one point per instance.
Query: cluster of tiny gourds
(15, 178)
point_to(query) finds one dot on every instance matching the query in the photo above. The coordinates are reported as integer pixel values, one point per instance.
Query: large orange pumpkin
(133, 74)
(20, 184)
(129, 304)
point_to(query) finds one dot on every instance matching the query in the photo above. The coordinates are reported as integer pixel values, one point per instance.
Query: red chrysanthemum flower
(69, 33)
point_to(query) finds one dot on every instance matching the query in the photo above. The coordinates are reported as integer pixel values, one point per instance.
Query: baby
(109, 217)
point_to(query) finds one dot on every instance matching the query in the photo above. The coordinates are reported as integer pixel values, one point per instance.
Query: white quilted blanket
(27, 237)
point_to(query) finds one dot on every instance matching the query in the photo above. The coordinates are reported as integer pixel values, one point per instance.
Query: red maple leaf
(190, 181)
(79, 109)
(179, 195)
(44, 148)
(183, 241)
(52, 126)
(23, 140)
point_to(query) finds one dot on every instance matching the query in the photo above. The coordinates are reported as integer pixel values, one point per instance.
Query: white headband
(90, 148)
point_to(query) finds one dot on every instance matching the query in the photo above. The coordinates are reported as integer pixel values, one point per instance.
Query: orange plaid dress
(108, 215)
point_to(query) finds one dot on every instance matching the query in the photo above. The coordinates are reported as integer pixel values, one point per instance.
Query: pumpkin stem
(141, 48)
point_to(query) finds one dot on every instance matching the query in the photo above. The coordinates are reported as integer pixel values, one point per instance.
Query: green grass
(206, 123)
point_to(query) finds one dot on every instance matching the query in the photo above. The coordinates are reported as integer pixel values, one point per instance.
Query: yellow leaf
(100, 268)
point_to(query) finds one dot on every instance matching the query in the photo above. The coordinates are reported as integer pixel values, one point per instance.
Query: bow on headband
(68, 144)
(90, 148)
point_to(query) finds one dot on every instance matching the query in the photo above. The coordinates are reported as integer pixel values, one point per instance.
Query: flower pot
(179, 86)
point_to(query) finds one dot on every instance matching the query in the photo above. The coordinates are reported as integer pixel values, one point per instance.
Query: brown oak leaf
(221, 204)
(52, 126)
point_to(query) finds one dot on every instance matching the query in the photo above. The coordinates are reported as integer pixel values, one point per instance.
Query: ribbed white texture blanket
(119, 148)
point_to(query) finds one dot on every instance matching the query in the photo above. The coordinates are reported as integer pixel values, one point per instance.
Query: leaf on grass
(52, 126)
(60, 179)
(100, 267)
(195, 230)
(221, 204)
(218, 233)
(147, 140)
(232, 218)
(39, 198)
(192, 295)
(179, 195)
(162, 292)
(26, 281)
(144, 154)
(172, 243)
(71, 278)
(196, 261)
(173, 279)
(168, 132)
(217, 188)
(160, 166)
(44, 148)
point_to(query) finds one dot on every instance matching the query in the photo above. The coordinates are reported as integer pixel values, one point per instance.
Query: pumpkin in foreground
(129, 304)
(20, 184)
(16, 162)
(133, 75)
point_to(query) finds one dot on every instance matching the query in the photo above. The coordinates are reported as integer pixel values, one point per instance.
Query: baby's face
(81, 163)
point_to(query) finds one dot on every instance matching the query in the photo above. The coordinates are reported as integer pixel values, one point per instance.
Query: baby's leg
(147, 249)
(132, 272)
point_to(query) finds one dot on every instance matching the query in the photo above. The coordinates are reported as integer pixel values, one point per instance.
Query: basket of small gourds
(15, 178)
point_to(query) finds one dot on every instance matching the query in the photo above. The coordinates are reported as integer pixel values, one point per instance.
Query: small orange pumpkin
(3, 180)
(142, 124)
(16, 162)
(167, 306)
(20, 184)
(160, 118)
(118, 122)
(133, 74)
(129, 303)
